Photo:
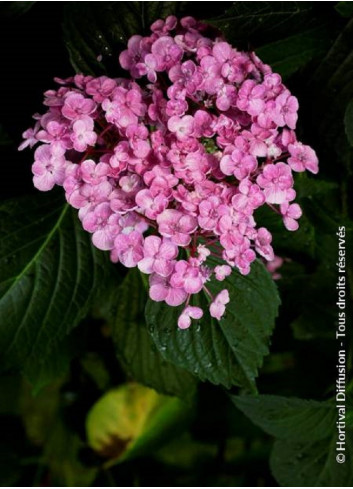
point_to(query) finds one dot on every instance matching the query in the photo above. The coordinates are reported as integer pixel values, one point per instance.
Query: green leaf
(256, 21)
(348, 122)
(102, 29)
(289, 418)
(312, 464)
(132, 420)
(50, 274)
(344, 8)
(308, 187)
(286, 56)
(227, 352)
(135, 347)
(304, 453)
(45, 370)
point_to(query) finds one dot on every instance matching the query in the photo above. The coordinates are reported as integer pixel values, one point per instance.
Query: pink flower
(276, 180)
(190, 312)
(223, 52)
(166, 52)
(129, 248)
(193, 168)
(125, 108)
(302, 158)
(76, 105)
(210, 211)
(94, 173)
(49, 167)
(238, 163)
(177, 226)
(226, 97)
(55, 132)
(284, 111)
(122, 202)
(251, 97)
(132, 222)
(273, 85)
(133, 55)
(83, 134)
(211, 74)
(100, 88)
(237, 251)
(262, 244)
(138, 135)
(152, 206)
(186, 74)
(160, 180)
(203, 253)
(103, 224)
(86, 195)
(290, 213)
(158, 256)
(162, 290)
(29, 137)
(183, 127)
(222, 271)
(130, 100)
(148, 67)
(187, 276)
(203, 124)
(120, 158)
(218, 306)
(250, 197)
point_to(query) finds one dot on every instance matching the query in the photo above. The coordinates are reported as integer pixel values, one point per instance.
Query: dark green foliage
(135, 347)
(73, 325)
(226, 352)
(50, 274)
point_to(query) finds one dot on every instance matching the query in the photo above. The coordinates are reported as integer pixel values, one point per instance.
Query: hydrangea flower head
(168, 165)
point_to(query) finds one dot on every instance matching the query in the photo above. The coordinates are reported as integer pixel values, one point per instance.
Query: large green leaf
(256, 21)
(132, 420)
(47, 368)
(135, 347)
(96, 32)
(304, 453)
(289, 418)
(288, 55)
(311, 464)
(227, 352)
(50, 273)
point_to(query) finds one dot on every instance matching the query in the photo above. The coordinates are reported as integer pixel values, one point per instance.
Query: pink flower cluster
(168, 167)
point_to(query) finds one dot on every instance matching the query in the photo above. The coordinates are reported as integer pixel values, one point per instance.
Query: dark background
(303, 351)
